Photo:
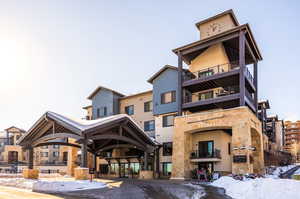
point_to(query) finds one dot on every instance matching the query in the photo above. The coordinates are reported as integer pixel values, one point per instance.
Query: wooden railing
(216, 153)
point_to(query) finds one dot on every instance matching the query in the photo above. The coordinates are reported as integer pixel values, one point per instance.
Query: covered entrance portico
(109, 140)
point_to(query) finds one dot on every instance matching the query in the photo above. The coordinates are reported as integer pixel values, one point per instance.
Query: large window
(44, 154)
(102, 112)
(103, 168)
(135, 166)
(149, 125)
(55, 146)
(206, 95)
(114, 168)
(168, 120)
(129, 110)
(55, 154)
(167, 148)
(148, 106)
(167, 168)
(168, 97)
(205, 73)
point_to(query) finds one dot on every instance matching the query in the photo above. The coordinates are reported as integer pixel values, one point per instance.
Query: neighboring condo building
(292, 139)
(273, 137)
(204, 115)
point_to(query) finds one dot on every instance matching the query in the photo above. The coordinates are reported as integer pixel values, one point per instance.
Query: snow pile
(259, 188)
(65, 186)
(280, 170)
(51, 186)
(17, 182)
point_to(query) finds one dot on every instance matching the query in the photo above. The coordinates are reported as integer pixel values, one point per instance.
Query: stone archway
(257, 155)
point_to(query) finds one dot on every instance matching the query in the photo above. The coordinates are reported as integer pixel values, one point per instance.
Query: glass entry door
(124, 170)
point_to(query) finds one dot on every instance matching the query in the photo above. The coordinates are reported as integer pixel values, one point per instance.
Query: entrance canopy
(95, 136)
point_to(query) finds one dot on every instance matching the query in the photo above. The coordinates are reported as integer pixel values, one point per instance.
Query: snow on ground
(51, 185)
(199, 191)
(65, 186)
(259, 188)
(279, 170)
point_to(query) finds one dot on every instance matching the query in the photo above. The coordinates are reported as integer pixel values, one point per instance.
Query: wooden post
(242, 67)
(84, 157)
(157, 162)
(145, 161)
(30, 158)
(179, 94)
(255, 85)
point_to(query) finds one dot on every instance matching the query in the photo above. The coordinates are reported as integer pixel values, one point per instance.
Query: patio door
(206, 149)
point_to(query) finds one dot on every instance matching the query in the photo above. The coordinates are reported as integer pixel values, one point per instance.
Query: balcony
(211, 77)
(218, 98)
(198, 156)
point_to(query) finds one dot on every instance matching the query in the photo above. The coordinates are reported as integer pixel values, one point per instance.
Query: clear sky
(54, 53)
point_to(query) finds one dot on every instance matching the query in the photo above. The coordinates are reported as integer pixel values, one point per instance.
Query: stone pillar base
(30, 173)
(146, 175)
(81, 173)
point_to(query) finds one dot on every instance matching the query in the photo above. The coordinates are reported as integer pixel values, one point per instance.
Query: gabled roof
(13, 127)
(161, 71)
(80, 126)
(136, 94)
(87, 107)
(230, 12)
(102, 87)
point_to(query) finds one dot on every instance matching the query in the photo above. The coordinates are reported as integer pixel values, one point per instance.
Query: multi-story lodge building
(292, 139)
(204, 115)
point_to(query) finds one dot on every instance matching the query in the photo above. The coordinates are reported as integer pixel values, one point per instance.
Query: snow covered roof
(81, 125)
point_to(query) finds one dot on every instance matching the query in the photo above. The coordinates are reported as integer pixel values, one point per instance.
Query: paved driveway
(14, 193)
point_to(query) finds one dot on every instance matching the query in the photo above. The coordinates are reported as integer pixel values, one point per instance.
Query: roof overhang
(201, 45)
(90, 97)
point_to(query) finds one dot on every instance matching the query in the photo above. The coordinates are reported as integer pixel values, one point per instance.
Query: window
(98, 112)
(55, 146)
(103, 168)
(102, 111)
(168, 120)
(65, 156)
(167, 148)
(168, 97)
(205, 73)
(167, 168)
(148, 106)
(55, 154)
(44, 147)
(129, 110)
(206, 149)
(135, 166)
(149, 125)
(44, 154)
(229, 148)
(206, 95)
(114, 168)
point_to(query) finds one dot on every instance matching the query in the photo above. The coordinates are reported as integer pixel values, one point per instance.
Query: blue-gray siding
(165, 82)
(104, 98)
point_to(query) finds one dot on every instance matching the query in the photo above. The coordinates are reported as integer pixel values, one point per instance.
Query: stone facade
(246, 134)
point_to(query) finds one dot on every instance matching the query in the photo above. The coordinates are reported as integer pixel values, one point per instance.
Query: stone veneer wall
(243, 124)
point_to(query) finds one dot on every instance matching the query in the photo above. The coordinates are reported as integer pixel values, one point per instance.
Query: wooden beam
(117, 137)
(84, 154)
(209, 43)
(119, 146)
(242, 67)
(30, 158)
(55, 136)
(255, 85)
(179, 84)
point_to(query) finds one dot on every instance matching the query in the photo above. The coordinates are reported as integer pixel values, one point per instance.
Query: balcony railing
(210, 71)
(202, 96)
(198, 154)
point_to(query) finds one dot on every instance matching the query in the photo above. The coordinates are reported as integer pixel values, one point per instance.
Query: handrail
(209, 71)
(216, 153)
(220, 92)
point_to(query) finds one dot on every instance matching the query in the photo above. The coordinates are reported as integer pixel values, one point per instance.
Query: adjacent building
(292, 139)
